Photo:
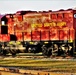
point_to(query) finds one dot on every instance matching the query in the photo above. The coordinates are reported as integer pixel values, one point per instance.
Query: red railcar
(47, 31)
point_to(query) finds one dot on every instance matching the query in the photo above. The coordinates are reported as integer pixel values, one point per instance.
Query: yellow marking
(46, 42)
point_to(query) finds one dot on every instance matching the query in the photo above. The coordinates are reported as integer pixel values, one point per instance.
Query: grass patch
(39, 64)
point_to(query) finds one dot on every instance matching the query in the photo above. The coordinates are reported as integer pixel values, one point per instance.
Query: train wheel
(49, 51)
(44, 50)
(4, 52)
(54, 50)
(66, 49)
(13, 52)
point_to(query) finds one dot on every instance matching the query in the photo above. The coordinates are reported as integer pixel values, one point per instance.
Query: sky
(12, 6)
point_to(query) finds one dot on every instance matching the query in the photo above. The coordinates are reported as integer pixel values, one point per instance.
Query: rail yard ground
(38, 62)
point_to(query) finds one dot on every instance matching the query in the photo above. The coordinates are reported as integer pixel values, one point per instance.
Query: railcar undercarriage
(47, 48)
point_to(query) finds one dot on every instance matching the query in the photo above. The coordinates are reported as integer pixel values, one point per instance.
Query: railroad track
(33, 56)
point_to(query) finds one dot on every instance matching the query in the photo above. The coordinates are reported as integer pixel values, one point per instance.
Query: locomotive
(51, 32)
